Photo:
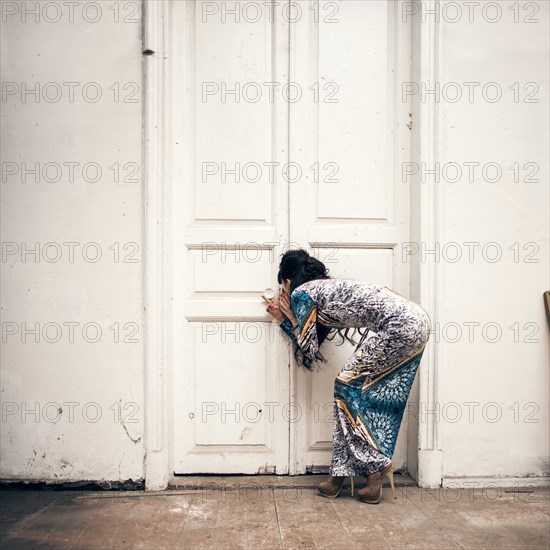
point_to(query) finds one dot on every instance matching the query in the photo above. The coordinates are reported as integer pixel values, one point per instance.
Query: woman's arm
(303, 331)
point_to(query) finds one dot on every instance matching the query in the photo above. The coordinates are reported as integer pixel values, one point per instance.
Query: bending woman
(371, 390)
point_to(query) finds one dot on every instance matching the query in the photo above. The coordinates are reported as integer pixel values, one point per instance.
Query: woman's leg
(352, 454)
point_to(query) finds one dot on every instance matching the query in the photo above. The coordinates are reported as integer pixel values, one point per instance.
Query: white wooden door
(230, 365)
(329, 110)
(351, 209)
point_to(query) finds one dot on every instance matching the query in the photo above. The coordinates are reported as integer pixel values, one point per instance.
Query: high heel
(372, 493)
(333, 486)
(392, 485)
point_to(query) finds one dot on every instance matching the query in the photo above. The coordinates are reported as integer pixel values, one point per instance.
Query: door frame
(157, 238)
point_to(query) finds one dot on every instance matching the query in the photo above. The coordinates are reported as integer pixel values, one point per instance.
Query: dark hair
(300, 268)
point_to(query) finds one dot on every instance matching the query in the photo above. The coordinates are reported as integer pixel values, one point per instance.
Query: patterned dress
(371, 390)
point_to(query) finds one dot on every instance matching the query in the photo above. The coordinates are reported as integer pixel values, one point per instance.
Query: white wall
(82, 47)
(505, 377)
(108, 292)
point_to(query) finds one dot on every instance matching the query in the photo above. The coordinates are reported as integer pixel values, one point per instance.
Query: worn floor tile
(105, 524)
(233, 516)
(168, 524)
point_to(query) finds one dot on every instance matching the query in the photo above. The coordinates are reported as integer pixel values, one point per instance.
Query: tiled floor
(252, 513)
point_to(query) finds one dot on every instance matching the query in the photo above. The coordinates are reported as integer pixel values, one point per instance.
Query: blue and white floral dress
(371, 390)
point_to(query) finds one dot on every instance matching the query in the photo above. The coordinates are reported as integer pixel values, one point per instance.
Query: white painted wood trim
(156, 245)
(429, 432)
(491, 483)
(156, 266)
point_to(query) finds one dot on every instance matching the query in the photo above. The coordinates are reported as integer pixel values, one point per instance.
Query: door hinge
(267, 469)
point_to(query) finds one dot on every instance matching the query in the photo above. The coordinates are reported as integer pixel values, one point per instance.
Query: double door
(288, 129)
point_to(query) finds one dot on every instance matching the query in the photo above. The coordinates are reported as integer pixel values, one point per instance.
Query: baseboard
(487, 482)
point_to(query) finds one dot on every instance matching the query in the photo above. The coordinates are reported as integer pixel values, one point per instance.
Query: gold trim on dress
(349, 376)
(357, 423)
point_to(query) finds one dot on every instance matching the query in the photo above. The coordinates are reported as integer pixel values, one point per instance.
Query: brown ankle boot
(372, 493)
(333, 485)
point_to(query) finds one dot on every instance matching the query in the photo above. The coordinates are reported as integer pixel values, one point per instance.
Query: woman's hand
(273, 308)
(284, 305)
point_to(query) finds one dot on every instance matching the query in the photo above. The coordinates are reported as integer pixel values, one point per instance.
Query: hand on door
(273, 308)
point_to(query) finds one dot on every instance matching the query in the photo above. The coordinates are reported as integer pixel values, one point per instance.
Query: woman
(371, 390)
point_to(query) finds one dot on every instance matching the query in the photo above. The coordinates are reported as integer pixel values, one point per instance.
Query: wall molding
(430, 456)
(489, 483)
(156, 240)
